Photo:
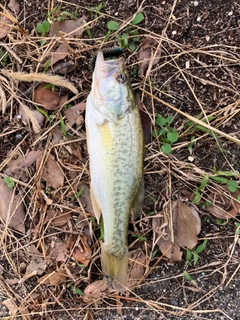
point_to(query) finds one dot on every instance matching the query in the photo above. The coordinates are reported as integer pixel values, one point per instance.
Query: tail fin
(115, 268)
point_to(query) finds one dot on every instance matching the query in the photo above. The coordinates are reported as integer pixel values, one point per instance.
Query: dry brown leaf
(51, 172)
(95, 291)
(57, 219)
(74, 114)
(14, 7)
(224, 205)
(186, 227)
(59, 54)
(147, 51)
(54, 278)
(82, 253)
(86, 199)
(31, 157)
(75, 27)
(59, 251)
(34, 113)
(47, 98)
(13, 165)
(136, 267)
(37, 265)
(12, 307)
(5, 26)
(57, 135)
(11, 208)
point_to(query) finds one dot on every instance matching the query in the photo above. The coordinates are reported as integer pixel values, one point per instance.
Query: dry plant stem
(2, 44)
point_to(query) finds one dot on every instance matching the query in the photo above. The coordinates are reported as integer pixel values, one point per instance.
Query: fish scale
(115, 146)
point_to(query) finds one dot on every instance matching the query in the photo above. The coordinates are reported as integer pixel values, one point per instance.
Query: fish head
(111, 89)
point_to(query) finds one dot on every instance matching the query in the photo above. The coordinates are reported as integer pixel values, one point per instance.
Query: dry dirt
(197, 72)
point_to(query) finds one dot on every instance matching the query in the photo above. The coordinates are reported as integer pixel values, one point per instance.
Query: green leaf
(226, 173)
(47, 65)
(232, 185)
(77, 291)
(161, 121)
(132, 47)
(201, 247)
(220, 179)
(101, 230)
(173, 136)
(138, 18)
(89, 32)
(134, 32)
(46, 26)
(39, 28)
(78, 194)
(187, 276)
(107, 36)
(197, 197)
(139, 237)
(189, 256)
(63, 126)
(166, 148)
(195, 258)
(113, 25)
(169, 119)
(204, 183)
(154, 253)
(9, 181)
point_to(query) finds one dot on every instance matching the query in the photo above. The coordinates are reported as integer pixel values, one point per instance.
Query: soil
(198, 72)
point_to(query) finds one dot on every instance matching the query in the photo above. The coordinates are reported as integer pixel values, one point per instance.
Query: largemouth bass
(116, 151)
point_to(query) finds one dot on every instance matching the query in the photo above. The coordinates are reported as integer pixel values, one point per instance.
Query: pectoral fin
(138, 201)
(96, 208)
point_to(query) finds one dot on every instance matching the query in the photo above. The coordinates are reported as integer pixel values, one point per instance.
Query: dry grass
(30, 300)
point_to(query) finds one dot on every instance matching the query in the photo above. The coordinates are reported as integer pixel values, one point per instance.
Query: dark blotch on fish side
(108, 53)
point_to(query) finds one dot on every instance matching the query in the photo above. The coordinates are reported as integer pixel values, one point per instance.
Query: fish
(115, 145)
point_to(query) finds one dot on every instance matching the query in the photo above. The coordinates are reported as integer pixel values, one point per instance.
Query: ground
(195, 80)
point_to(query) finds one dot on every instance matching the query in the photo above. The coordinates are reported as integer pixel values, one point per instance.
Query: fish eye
(121, 77)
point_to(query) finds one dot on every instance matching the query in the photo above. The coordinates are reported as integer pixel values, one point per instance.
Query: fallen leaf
(5, 26)
(82, 253)
(13, 165)
(146, 53)
(54, 278)
(40, 118)
(51, 172)
(225, 205)
(31, 157)
(57, 219)
(48, 98)
(57, 135)
(74, 114)
(59, 54)
(86, 199)
(75, 27)
(11, 208)
(95, 291)
(14, 7)
(136, 267)
(186, 226)
(37, 265)
(12, 307)
(59, 251)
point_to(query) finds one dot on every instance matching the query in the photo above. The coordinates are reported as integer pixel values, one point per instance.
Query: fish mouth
(103, 65)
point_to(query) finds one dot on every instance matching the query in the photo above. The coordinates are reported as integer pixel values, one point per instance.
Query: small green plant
(96, 10)
(187, 276)
(43, 112)
(57, 15)
(101, 230)
(63, 126)
(88, 30)
(77, 194)
(77, 290)
(220, 176)
(141, 238)
(9, 181)
(43, 28)
(4, 57)
(193, 256)
(129, 36)
(165, 133)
